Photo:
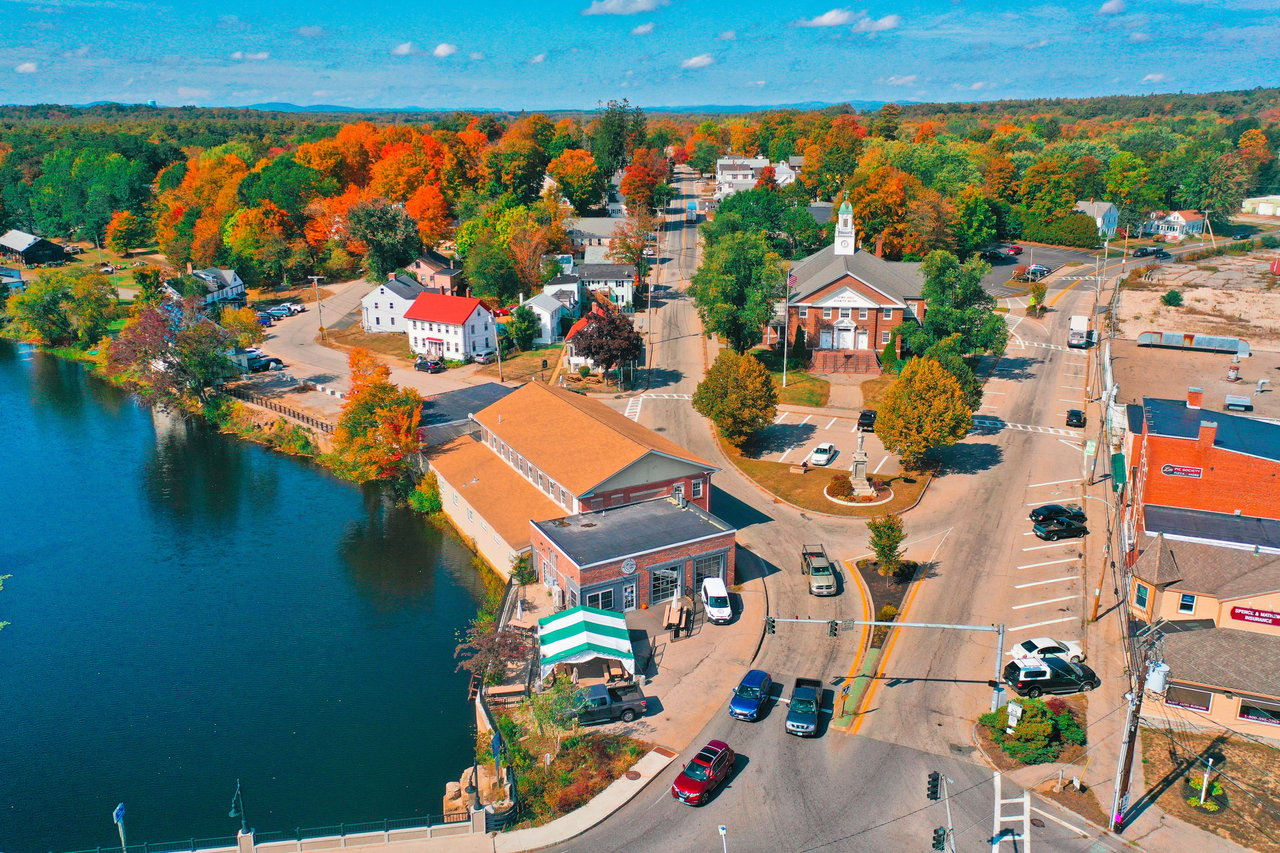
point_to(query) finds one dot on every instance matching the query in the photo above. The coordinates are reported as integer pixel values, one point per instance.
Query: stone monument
(858, 476)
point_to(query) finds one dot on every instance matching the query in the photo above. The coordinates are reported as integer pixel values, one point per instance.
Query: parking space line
(881, 465)
(1041, 624)
(779, 418)
(1042, 583)
(1065, 400)
(1042, 547)
(1053, 483)
(1047, 563)
(1038, 603)
(806, 419)
(1074, 387)
(784, 454)
(833, 420)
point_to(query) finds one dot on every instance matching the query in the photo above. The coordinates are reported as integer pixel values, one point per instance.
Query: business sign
(1258, 617)
(629, 566)
(1181, 471)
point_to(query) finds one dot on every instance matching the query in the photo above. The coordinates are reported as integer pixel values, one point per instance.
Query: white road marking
(1065, 400)
(779, 418)
(988, 391)
(1074, 445)
(1047, 563)
(1041, 624)
(784, 455)
(1053, 483)
(1038, 603)
(1042, 547)
(989, 423)
(1039, 345)
(806, 420)
(881, 465)
(1042, 583)
(833, 420)
(1082, 833)
(633, 408)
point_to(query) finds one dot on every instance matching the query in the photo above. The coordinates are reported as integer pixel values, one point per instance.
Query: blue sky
(547, 54)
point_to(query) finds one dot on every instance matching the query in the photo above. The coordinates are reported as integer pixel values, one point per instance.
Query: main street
(866, 790)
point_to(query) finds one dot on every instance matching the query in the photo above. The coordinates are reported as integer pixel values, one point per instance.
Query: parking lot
(793, 436)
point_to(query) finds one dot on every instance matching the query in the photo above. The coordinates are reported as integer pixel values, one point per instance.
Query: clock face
(844, 244)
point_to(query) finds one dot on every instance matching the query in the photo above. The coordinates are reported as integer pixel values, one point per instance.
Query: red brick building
(848, 301)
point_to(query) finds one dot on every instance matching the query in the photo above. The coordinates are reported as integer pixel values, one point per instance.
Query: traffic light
(770, 626)
(833, 628)
(935, 785)
(940, 838)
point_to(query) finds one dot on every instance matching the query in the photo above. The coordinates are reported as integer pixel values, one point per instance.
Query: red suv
(706, 772)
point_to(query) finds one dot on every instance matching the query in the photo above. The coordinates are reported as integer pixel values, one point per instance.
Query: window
(679, 491)
(888, 313)
(802, 312)
(602, 600)
(1259, 712)
(707, 567)
(826, 313)
(393, 321)
(664, 585)
(884, 337)
(1185, 697)
(1140, 594)
(697, 488)
(375, 306)
(573, 598)
(1187, 603)
(862, 313)
(377, 321)
(846, 313)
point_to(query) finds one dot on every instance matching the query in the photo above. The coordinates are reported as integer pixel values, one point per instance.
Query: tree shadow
(970, 458)
(323, 378)
(662, 377)
(1018, 367)
(779, 437)
(1179, 768)
(734, 511)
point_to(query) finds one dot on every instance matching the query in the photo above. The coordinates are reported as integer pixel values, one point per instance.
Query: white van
(715, 600)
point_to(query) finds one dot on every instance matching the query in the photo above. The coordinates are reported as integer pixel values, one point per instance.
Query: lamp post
(315, 284)
(473, 788)
(237, 810)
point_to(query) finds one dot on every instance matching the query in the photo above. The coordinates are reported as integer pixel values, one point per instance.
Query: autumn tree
(628, 244)
(64, 307)
(428, 207)
(527, 242)
(256, 241)
(648, 169)
(609, 340)
(580, 180)
(365, 370)
(947, 352)
(738, 396)
(923, 410)
(171, 354)
(244, 326)
(377, 433)
(886, 541)
(881, 201)
(389, 235)
(124, 231)
(931, 224)
(737, 287)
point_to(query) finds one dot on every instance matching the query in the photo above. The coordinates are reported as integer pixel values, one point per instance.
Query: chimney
(1208, 432)
(1195, 396)
(189, 268)
(391, 276)
(880, 246)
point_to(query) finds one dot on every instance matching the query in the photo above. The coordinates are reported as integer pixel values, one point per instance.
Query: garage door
(664, 585)
(707, 567)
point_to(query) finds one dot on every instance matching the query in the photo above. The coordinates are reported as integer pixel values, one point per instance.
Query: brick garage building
(633, 556)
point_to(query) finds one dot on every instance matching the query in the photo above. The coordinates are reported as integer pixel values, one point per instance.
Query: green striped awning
(581, 633)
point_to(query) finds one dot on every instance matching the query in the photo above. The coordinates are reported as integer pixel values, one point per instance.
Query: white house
(593, 230)
(617, 281)
(734, 174)
(1263, 205)
(1104, 213)
(568, 290)
(383, 308)
(220, 285)
(549, 311)
(1174, 224)
(452, 327)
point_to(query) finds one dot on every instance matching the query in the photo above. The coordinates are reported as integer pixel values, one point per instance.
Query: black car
(1048, 512)
(1059, 528)
(429, 365)
(1161, 255)
(994, 255)
(1240, 236)
(1075, 418)
(1143, 251)
(1032, 677)
(260, 365)
(867, 420)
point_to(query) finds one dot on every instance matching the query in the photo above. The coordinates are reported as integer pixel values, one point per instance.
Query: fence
(294, 414)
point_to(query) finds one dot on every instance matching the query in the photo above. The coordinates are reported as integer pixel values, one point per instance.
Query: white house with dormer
(382, 309)
(550, 313)
(451, 327)
(1174, 224)
(1104, 215)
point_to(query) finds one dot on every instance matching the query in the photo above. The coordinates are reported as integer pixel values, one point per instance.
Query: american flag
(791, 281)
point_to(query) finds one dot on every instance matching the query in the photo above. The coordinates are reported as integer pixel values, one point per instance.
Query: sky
(574, 54)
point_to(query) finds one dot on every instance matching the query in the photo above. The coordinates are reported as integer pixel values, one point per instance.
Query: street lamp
(315, 284)
(237, 810)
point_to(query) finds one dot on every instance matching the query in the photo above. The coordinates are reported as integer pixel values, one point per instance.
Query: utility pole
(315, 285)
(1120, 797)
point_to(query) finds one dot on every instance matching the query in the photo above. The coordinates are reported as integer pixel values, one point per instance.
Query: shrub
(1172, 299)
(426, 497)
(584, 371)
(887, 613)
(1068, 728)
(840, 486)
(1197, 782)
(1269, 241)
(1039, 736)
(1207, 805)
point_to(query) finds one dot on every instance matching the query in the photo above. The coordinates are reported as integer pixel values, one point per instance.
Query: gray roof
(435, 259)
(1222, 572)
(1213, 526)
(1227, 658)
(546, 302)
(18, 241)
(895, 279)
(795, 160)
(564, 280)
(1236, 433)
(822, 211)
(1094, 208)
(406, 287)
(218, 278)
(608, 534)
(597, 226)
(454, 406)
(605, 271)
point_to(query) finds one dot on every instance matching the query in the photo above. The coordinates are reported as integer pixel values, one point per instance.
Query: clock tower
(846, 240)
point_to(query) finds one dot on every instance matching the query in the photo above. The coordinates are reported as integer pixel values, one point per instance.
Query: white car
(715, 601)
(1047, 647)
(823, 454)
(293, 307)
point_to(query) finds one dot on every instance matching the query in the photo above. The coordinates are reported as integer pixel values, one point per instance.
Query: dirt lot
(1232, 295)
(1250, 777)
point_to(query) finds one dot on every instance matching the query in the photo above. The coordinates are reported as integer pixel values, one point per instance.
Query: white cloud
(321, 93)
(538, 59)
(1035, 45)
(728, 35)
(444, 49)
(834, 18)
(623, 7)
(26, 68)
(310, 32)
(403, 49)
(188, 92)
(876, 25)
(702, 60)
(1138, 38)
(475, 55)
(902, 80)
(642, 29)
(81, 51)
(231, 22)
(755, 83)
(242, 56)
(1111, 7)
(1155, 78)
(980, 85)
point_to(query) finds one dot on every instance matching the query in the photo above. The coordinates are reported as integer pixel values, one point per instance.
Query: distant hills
(284, 107)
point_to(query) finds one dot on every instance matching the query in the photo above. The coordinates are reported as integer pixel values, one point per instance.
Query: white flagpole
(786, 325)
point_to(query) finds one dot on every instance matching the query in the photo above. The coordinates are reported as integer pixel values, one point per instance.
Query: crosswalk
(655, 396)
(633, 408)
(997, 424)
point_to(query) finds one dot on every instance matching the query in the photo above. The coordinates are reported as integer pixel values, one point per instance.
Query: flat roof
(1227, 658)
(1237, 530)
(453, 406)
(1168, 373)
(607, 534)
(1236, 433)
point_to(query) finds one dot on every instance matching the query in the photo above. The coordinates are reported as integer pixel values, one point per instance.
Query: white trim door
(824, 339)
(862, 339)
(844, 338)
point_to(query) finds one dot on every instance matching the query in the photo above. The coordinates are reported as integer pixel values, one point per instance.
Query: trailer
(691, 212)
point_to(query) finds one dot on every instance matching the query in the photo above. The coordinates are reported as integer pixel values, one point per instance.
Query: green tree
(736, 288)
(91, 306)
(523, 327)
(888, 121)
(887, 537)
(389, 234)
(923, 410)
(489, 266)
(947, 353)
(65, 306)
(148, 282)
(703, 157)
(288, 185)
(738, 396)
(556, 707)
(976, 224)
(958, 304)
(619, 128)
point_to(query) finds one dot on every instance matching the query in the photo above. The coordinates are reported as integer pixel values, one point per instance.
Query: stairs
(844, 361)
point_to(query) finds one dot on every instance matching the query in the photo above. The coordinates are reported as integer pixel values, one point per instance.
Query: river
(187, 609)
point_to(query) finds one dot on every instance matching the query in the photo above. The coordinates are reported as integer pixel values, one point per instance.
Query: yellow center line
(884, 657)
(1062, 292)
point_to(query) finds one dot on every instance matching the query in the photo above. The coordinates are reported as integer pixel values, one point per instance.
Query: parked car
(1049, 512)
(1059, 528)
(293, 307)
(715, 601)
(823, 454)
(1241, 236)
(73, 250)
(1144, 251)
(1032, 677)
(279, 312)
(429, 365)
(1047, 647)
(995, 256)
(707, 771)
(1013, 249)
(1075, 418)
(867, 420)
(751, 696)
(486, 357)
(1040, 268)
(1161, 255)
(803, 707)
(266, 319)
(106, 269)
(602, 704)
(261, 365)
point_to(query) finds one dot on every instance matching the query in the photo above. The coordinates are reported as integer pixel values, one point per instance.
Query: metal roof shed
(583, 633)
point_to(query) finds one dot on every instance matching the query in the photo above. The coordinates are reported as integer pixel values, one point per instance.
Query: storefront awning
(1119, 471)
(583, 633)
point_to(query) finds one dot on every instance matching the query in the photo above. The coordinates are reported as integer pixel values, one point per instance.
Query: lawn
(873, 390)
(395, 345)
(803, 389)
(523, 365)
(806, 490)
